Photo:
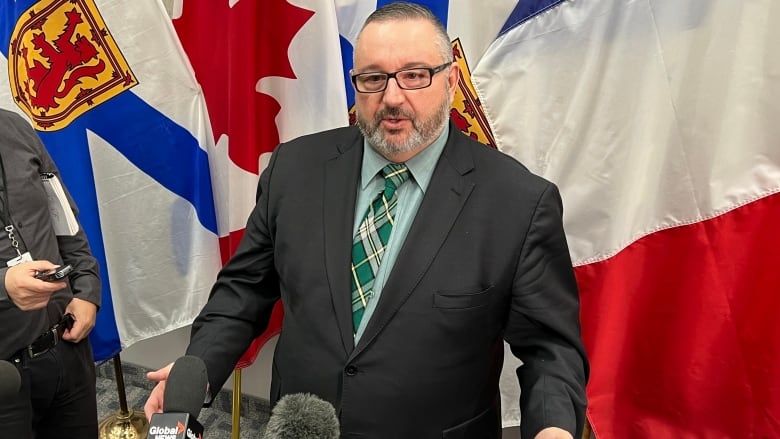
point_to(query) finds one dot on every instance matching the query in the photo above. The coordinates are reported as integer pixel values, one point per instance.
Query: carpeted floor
(216, 420)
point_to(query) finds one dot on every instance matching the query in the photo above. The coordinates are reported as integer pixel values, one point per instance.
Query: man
(410, 346)
(45, 323)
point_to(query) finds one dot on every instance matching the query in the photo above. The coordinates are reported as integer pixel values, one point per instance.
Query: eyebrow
(373, 68)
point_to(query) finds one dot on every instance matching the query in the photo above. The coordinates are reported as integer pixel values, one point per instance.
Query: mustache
(392, 112)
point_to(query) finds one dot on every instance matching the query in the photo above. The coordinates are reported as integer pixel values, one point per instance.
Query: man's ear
(453, 78)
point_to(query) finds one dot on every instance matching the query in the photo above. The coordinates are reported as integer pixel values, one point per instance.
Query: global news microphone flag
(108, 88)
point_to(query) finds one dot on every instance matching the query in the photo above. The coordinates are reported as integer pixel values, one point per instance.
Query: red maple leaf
(230, 50)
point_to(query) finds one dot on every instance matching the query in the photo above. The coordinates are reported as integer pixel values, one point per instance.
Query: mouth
(393, 122)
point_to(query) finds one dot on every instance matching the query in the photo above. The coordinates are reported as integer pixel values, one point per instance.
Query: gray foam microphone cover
(302, 416)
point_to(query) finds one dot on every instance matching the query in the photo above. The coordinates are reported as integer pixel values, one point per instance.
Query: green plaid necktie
(372, 237)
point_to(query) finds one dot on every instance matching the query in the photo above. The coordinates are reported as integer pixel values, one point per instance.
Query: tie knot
(395, 174)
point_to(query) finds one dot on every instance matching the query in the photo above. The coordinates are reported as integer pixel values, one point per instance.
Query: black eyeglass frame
(431, 70)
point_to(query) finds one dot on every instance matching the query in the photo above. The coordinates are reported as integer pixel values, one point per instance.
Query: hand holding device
(56, 275)
(24, 287)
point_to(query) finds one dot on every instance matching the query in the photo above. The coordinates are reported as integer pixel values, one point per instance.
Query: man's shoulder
(336, 137)
(8, 117)
(7, 114)
(17, 131)
(499, 166)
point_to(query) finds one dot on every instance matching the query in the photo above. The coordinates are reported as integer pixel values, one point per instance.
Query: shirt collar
(420, 166)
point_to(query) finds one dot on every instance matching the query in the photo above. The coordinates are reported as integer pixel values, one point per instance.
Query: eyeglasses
(407, 79)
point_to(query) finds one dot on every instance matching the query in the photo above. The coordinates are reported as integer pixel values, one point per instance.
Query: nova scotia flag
(108, 88)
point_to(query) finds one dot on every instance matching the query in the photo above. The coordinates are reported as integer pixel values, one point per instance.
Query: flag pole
(236, 404)
(587, 432)
(125, 423)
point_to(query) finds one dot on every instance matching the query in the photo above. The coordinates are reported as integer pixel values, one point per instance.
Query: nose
(393, 94)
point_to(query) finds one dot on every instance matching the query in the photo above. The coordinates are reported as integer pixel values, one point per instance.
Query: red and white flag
(270, 71)
(659, 121)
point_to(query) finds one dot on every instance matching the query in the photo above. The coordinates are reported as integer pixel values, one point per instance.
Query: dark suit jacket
(485, 260)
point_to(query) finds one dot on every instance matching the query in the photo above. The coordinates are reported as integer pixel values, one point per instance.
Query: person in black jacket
(404, 335)
(45, 324)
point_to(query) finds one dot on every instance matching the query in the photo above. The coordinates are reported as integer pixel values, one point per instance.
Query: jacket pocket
(463, 299)
(486, 425)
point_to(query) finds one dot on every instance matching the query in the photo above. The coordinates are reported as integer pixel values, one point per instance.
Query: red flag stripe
(669, 313)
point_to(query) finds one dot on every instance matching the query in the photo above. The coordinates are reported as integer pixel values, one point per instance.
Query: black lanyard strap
(5, 212)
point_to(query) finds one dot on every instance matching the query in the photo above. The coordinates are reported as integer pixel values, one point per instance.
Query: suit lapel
(447, 193)
(342, 174)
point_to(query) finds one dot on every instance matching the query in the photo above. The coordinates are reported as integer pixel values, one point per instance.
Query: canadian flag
(269, 73)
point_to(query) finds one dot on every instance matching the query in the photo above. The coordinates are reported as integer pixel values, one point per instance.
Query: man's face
(400, 123)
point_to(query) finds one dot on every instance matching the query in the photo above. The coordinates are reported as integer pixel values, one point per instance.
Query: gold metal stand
(587, 433)
(236, 404)
(125, 424)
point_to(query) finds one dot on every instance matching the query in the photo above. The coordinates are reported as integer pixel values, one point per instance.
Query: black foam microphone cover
(185, 388)
(10, 381)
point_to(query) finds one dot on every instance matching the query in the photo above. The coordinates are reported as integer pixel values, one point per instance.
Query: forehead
(397, 44)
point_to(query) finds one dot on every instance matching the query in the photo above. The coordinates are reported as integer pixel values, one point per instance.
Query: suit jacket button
(350, 370)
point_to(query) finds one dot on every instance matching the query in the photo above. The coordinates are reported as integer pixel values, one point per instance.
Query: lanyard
(5, 213)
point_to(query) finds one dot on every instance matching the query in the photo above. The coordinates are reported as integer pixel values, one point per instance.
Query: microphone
(302, 416)
(185, 392)
(10, 381)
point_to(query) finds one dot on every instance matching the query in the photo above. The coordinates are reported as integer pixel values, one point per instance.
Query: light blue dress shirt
(410, 195)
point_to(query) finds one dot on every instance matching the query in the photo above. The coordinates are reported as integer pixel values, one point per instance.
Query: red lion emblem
(63, 61)
(68, 57)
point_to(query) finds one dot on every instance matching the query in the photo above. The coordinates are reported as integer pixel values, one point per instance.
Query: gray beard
(423, 132)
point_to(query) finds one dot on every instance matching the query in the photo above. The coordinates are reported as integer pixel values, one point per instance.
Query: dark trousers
(57, 398)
